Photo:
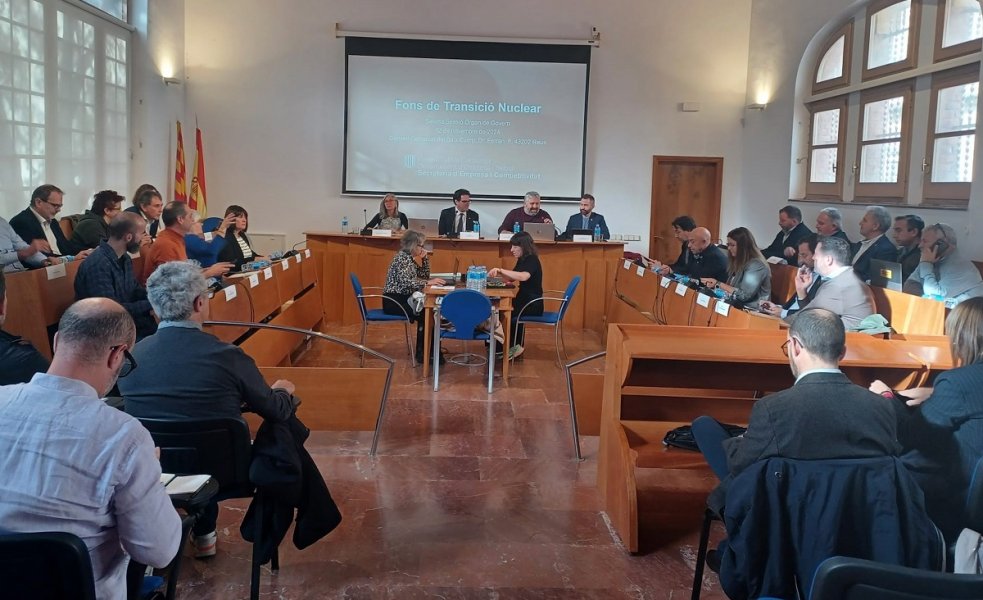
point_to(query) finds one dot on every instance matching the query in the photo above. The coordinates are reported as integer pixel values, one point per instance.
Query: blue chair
(552, 319)
(211, 224)
(466, 310)
(376, 315)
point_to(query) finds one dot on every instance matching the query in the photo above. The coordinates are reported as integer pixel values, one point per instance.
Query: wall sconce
(756, 106)
(171, 81)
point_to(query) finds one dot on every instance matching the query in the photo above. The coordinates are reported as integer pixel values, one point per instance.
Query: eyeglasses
(464, 202)
(785, 347)
(57, 207)
(131, 363)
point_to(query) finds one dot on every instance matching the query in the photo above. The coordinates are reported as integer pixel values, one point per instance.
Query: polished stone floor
(471, 495)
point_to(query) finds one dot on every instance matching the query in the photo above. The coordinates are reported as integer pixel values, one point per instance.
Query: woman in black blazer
(237, 248)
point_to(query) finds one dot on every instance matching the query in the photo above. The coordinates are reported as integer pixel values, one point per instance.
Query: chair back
(974, 499)
(357, 286)
(842, 578)
(51, 565)
(465, 309)
(211, 224)
(568, 295)
(219, 447)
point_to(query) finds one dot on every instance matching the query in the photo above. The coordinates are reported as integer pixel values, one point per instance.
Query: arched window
(833, 69)
(892, 37)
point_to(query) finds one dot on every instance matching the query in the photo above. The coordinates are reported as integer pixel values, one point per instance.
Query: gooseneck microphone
(365, 218)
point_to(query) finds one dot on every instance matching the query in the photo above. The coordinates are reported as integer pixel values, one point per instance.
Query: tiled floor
(472, 495)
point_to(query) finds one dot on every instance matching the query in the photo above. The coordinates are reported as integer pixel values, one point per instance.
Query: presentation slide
(427, 126)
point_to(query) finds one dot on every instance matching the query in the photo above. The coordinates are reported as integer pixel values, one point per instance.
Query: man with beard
(529, 212)
(587, 219)
(108, 272)
(72, 463)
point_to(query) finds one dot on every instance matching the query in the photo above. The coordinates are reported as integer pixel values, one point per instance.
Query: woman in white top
(237, 248)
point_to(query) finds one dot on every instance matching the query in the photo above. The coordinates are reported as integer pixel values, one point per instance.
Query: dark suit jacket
(29, 229)
(823, 416)
(577, 221)
(153, 224)
(777, 247)
(448, 221)
(232, 253)
(712, 262)
(909, 260)
(810, 294)
(19, 361)
(882, 249)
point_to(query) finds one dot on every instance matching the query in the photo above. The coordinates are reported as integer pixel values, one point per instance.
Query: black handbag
(682, 437)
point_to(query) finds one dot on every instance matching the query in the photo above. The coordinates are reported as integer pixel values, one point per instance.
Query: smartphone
(940, 246)
(805, 270)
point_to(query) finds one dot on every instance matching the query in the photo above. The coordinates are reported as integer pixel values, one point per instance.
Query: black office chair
(221, 448)
(45, 566)
(974, 499)
(841, 578)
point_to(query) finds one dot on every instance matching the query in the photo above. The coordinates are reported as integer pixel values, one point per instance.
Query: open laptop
(885, 274)
(541, 232)
(427, 227)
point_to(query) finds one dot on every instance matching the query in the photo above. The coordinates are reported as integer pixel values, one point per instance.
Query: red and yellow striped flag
(180, 171)
(197, 199)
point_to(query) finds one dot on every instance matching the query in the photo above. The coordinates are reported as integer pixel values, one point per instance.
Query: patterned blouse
(405, 276)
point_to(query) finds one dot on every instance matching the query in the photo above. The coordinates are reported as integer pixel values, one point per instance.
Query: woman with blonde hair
(389, 216)
(748, 275)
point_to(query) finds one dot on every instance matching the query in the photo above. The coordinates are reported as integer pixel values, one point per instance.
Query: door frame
(654, 217)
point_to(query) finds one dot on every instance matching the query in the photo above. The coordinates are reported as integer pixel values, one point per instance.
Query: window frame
(914, 25)
(828, 191)
(940, 54)
(886, 193)
(948, 194)
(846, 32)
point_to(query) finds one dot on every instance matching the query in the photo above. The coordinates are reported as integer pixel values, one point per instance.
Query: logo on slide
(409, 161)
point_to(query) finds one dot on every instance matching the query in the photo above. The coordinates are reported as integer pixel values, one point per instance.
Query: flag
(180, 172)
(197, 199)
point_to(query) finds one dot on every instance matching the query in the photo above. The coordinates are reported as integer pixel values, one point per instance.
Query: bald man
(101, 479)
(707, 261)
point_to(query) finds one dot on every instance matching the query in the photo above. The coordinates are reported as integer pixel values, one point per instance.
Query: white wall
(266, 81)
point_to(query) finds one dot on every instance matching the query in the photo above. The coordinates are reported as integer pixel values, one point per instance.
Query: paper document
(185, 484)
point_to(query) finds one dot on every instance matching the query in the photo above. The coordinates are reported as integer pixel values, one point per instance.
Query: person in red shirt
(169, 245)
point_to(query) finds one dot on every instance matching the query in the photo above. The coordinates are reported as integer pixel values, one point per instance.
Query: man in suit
(841, 292)
(829, 222)
(786, 243)
(908, 235)
(707, 260)
(459, 217)
(587, 219)
(37, 223)
(149, 205)
(875, 244)
(823, 416)
(807, 251)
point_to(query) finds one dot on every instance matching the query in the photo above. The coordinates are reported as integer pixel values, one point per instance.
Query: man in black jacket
(459, 217)
(786, 243)
(149, 205)
(807, 251)
(194, 375)
(38, 222)
(706, 260)
(875, 244)
(19, 361)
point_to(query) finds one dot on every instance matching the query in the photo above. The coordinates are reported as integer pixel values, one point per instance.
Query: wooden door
(683, 185)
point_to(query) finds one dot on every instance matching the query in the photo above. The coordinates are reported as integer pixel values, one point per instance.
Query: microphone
(365, 218)
(294, 247)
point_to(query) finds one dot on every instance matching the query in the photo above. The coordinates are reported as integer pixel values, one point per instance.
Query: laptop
(885, 274)
(427, 227)
(540, 232)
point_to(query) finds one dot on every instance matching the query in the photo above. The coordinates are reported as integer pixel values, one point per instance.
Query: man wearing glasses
(37, 224)
(101, 476)
(195, 375)
(942, 271)
(459, 217)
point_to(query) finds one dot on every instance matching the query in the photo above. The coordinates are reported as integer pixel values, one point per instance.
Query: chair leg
(361, 361)
(436, 351)
(556, 341)
(701, 555)
(257, 542)
(563, 343)
(406, 330)
(491, 353)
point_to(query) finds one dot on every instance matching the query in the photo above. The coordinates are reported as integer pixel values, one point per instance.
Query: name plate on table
(382, 233)
(56, 271)
(299, 258)
(504, 237)
(722, 309)
(268, 273)
(640, 271)
(680, 289)
(307, 253)
(254, 280)
(230, 292)
(703, 300)
(285, 263)
(577, 237)
(627, 265)
(469, 235)
(209, 235)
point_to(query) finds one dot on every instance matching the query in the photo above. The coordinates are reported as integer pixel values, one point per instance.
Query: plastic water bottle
(472, 278)
(477, 228)
(344, 224)
(515, 228)
(482, 279)
(597, 232)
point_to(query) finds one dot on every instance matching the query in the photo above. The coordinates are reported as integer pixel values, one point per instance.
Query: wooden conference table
(501, 296)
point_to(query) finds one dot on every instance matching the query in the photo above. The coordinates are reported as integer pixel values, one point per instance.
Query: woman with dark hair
(942, 435)
(528, 272)
(237, 248)
(389, 216)
(748, 275)
(405, 277)
(93, 226)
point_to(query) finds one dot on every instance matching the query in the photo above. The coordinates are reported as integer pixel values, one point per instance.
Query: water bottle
(344, 224)
(597, 232)
(477, 228)
(482, 279)
(515, 228)
(472, 278)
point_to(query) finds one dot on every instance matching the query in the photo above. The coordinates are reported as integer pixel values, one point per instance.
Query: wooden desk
(502, 296)
(338, 254)
(36, 300)
(658, 377)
